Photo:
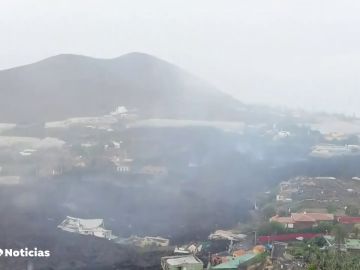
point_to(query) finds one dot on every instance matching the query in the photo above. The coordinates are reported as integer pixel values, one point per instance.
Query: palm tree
(356, 231)
(340, 234)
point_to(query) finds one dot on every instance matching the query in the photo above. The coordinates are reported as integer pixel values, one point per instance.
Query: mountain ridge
(70, 85)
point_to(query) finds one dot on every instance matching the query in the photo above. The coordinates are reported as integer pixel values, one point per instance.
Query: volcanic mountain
(72, 85)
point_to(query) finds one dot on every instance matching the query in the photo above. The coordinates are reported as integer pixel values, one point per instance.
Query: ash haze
(298, 54)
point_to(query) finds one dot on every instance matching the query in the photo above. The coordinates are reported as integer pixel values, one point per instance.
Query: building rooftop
(312, 217)
(352, 243)
(303, 217)
(282, 219)
(234, 263)
(84, 223)
(348, 220)
(181, 260)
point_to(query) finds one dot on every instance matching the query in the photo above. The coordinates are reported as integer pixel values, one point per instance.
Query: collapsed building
(93, 227)
(226, 235)
(154, 241)
(333, 150)
(192, 248)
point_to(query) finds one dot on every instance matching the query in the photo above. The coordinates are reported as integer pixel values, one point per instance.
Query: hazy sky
(297, 53)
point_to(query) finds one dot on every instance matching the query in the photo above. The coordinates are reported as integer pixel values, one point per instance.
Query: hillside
(71, 85)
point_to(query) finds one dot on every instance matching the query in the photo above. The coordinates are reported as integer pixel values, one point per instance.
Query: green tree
(268, 212)
(352, 210)
(283, 213)
(312, 267)
(270, 228)
(324, 227)
(337, 261)
(356, 231)
(331, 208)
(319, 241)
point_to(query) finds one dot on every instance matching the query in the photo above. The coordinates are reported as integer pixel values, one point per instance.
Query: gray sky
(297, 53)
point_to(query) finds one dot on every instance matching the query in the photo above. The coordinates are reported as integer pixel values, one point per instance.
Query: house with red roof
(348, 222)
(303, 220)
